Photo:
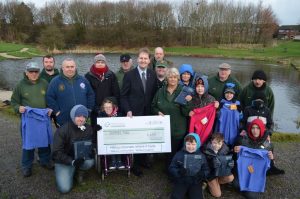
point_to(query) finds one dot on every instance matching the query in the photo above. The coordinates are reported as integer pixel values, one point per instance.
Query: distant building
(288, 31)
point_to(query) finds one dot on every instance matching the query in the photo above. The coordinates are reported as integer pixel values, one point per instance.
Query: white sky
(287, 11)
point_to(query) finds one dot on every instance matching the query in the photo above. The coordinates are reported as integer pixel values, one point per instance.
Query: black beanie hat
(259, 74)
(259, 95)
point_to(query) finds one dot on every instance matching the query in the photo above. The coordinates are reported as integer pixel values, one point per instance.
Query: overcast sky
(287, 11)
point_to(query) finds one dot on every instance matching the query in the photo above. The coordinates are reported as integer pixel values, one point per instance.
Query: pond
(285, 81)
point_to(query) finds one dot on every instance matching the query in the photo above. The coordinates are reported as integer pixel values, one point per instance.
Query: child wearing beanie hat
(229, 115)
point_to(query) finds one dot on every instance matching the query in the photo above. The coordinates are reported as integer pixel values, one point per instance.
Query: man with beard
(49, 71)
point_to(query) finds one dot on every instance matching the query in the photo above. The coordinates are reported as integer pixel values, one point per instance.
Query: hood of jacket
(261, 126)
(205, 81)
(186, 68)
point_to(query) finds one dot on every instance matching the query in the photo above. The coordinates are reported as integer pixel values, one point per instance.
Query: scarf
(99, 72)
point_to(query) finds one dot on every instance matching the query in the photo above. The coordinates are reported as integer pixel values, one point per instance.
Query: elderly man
(49, 71)
(159, 55)
(126, 65)
(216, 83)
(28, 99)
(67, 90)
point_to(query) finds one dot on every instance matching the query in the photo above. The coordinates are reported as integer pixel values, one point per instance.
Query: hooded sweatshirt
(186, 68)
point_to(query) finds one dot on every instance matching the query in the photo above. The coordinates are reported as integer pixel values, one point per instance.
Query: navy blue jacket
(64, 93)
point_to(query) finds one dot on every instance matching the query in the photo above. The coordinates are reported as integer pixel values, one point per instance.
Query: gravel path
(154, 184)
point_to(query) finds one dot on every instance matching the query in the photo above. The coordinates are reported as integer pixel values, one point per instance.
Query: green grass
(14, 50)
(283, 50)
(285, 137)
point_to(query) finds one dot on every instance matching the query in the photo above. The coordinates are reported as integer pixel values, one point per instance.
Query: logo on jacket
(61, 87)
(82, 85)
(43, 92)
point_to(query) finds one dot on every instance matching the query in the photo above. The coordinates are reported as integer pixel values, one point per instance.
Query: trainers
(113, 165)
(120, 165)
(275, 171)
(27, 172)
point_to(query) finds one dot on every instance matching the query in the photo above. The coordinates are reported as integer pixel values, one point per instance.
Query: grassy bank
(19, 50)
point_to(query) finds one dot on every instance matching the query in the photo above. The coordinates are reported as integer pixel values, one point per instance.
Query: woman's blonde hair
(172, 72)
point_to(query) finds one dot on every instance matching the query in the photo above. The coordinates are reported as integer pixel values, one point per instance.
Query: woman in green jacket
(163, 104)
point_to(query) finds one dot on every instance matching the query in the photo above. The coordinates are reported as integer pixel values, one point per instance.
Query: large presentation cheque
(139, 134)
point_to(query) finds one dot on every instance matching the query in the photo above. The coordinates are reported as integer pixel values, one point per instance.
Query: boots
(274, 170)
(79, 176)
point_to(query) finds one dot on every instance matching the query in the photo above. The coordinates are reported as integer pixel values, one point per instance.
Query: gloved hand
(182, 171)
(216, 163)
(78, 162)
(231, 164)
(98, 127)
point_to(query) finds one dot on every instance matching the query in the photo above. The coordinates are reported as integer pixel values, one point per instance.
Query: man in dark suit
(138, 90)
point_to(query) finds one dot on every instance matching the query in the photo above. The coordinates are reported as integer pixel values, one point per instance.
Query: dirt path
(5, 55)
(153, 185)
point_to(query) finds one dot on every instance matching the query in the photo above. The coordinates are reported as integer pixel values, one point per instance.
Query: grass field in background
(14, 50)
(281, 50)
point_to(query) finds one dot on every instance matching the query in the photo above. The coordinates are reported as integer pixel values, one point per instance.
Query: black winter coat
(65, 136)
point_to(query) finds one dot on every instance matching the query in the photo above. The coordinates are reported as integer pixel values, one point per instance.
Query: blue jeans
(64, 174)
(28, 156)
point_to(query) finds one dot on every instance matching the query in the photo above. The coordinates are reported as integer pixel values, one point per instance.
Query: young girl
(110, 109)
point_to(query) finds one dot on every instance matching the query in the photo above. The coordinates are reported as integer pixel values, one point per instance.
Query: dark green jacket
(216, 87)
(247, 94)
(29, 94)
(48, 77)
(120, 76)
(161, 103)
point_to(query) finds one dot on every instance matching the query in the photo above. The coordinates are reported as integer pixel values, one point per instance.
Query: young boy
(201, 107)
(229, 115)
(220, 163)
(188, 169)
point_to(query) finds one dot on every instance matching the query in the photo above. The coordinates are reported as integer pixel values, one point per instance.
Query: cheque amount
(133, 136)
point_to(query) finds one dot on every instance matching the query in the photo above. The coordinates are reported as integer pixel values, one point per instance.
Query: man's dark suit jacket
(133, 97)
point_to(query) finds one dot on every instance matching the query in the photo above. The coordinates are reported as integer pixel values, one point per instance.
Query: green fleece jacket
(247, 93)
(48, 77)
(216, 86)
(27, 93)
(162, 103)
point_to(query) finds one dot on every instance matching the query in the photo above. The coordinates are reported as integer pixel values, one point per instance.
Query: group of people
(211, 119)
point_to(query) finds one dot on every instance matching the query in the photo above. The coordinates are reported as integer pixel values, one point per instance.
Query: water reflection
(284, 81)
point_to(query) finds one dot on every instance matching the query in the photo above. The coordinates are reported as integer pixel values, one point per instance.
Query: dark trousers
(28, 156)
(180, 190)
